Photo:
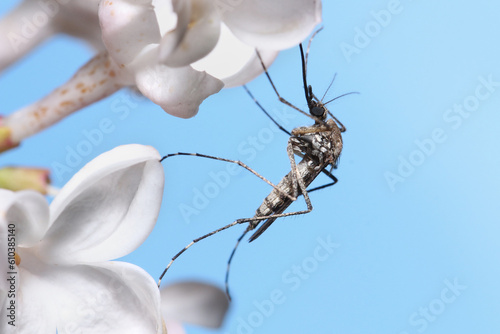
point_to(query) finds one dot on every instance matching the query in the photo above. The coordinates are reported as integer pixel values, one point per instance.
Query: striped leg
(239, 163)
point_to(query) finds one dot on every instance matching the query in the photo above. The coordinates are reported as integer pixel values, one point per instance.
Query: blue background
(399, 247)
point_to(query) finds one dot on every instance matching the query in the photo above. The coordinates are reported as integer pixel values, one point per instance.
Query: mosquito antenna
(338, 97)
(329, 86)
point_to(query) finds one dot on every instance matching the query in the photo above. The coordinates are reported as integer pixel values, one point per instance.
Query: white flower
(33, 22)
(64, 277)
(175, 52)
(193, 303)
(156, 41)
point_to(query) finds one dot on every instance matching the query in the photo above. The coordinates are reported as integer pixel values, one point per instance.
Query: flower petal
(107, 209)
(35, 303)
(195, 303)
(174, 327)
(78, 18)
(179, 91)
(28, 211)
(234, 62)
(112, 297)
(196, 34)
(274, 25)
(173, 18)
(252, 69)
(127, 27)
(166, 14)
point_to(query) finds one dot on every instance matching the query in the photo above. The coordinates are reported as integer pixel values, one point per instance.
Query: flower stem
(94, 81)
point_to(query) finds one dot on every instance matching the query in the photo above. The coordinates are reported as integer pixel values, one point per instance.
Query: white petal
(166, 13)
(252, 69)
(127, 27)
(174, 327)
(195, 303)
(196, 34)
(172, 34)
(179, 91)
(36, 303)
(111, 297)
(107, 209)
(234, 62)
(274, 25)
(28, 211)
(227, 58)
(80, 19)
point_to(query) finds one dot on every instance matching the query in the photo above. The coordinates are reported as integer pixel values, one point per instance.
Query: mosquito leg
(265, 111)
(294, 171)
(236, 222)
(229, 262)
(297, 182)
(327, 173)
(310, 42)
(281, 99)
(298, 178)
(192, 243)
(331, 176)
(234, 162)
(272, 217)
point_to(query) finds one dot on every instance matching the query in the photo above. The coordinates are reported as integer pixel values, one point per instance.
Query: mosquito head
(318, 110)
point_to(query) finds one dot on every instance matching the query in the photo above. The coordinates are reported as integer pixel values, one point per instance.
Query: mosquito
(319, 146)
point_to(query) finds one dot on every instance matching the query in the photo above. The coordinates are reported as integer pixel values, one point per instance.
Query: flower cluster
(175, 52)
(61, 272)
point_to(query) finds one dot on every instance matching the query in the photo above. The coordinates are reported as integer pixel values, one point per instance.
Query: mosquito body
(319, 146)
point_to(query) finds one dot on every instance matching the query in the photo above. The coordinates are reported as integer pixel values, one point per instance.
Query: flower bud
(21, 178)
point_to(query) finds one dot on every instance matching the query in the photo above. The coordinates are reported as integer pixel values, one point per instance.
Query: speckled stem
(93, 82)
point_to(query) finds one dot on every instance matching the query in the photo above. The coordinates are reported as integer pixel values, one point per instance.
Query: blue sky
(406, 242)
